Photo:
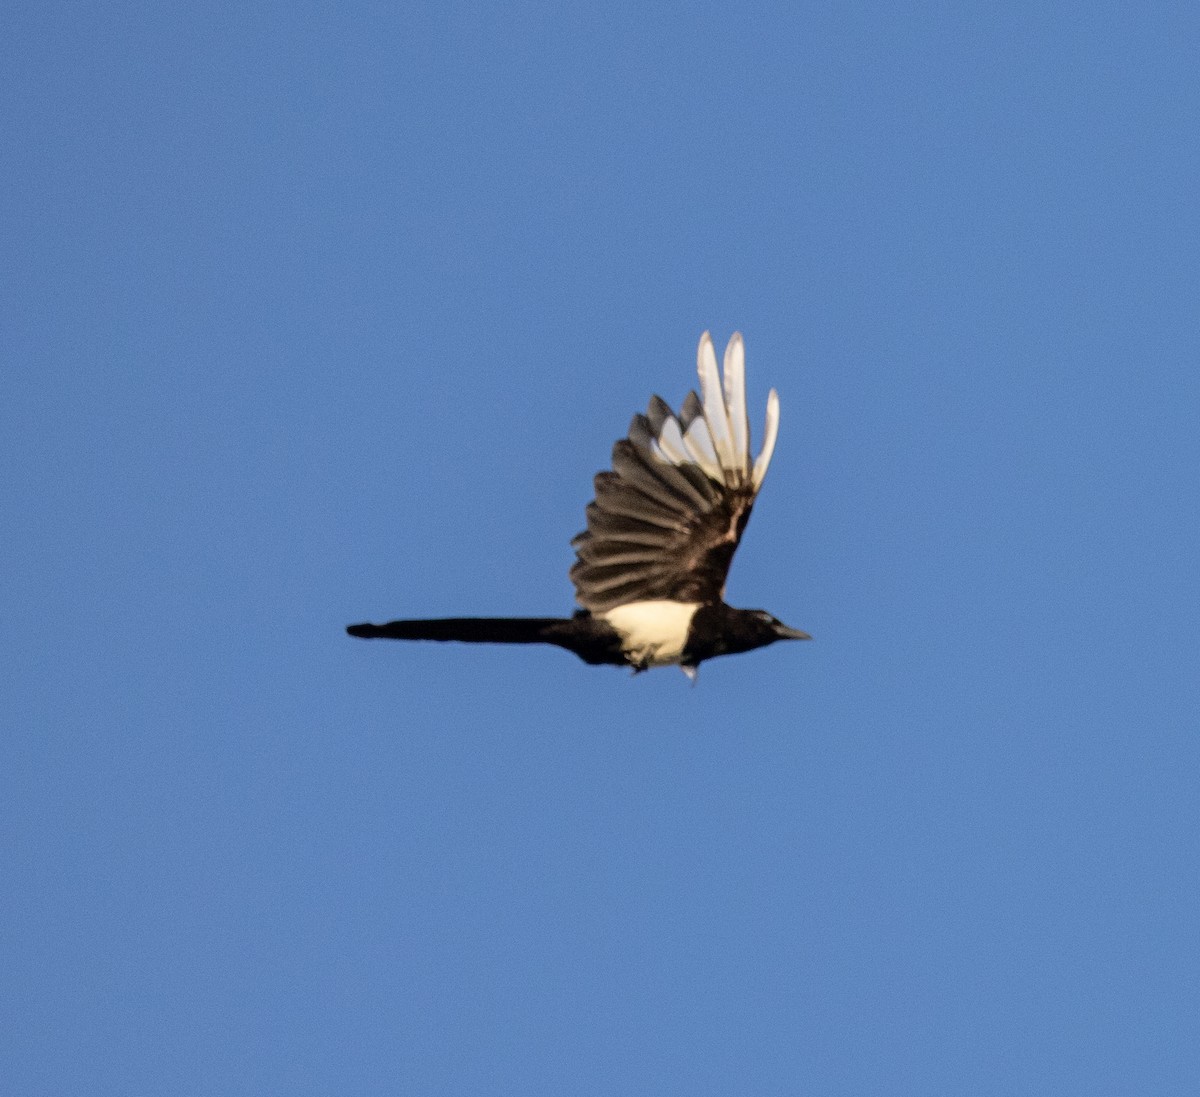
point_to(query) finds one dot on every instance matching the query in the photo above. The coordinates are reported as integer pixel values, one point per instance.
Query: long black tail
(471, 630)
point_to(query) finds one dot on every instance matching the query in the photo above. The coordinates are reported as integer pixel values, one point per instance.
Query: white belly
(653, 633)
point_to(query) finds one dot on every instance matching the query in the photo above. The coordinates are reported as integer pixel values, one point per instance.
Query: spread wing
(666, 520)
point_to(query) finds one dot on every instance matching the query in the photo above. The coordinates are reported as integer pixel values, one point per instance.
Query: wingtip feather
(735, 402)
(714, 403)
(770, 434)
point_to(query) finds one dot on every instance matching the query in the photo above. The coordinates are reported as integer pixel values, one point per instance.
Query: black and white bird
(661, 533)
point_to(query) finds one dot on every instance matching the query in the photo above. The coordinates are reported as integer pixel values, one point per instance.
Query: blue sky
(313, 314)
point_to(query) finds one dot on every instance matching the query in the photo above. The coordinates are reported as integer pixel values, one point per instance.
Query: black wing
(666, 520)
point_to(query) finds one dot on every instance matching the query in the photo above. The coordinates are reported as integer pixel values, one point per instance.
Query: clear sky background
(320, 313)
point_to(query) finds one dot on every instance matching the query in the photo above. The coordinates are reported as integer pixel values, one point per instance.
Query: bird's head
(774, 629)
(747, 629)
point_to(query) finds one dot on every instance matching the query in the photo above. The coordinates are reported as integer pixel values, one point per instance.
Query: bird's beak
(785, 633)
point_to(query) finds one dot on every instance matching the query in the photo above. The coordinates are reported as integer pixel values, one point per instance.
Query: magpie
(661, 532)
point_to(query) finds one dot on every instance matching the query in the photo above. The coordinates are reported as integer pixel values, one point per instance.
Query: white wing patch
(718, 441)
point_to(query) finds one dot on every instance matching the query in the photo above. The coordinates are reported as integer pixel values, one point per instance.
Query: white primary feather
(700, 445)
(669, 445)
(735, 401)
(770, 433)
(714, 403)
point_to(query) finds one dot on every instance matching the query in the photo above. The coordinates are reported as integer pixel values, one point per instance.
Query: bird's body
(661, 533)
(653, 634)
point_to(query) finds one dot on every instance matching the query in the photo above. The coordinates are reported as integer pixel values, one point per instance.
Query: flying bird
(661, 532)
